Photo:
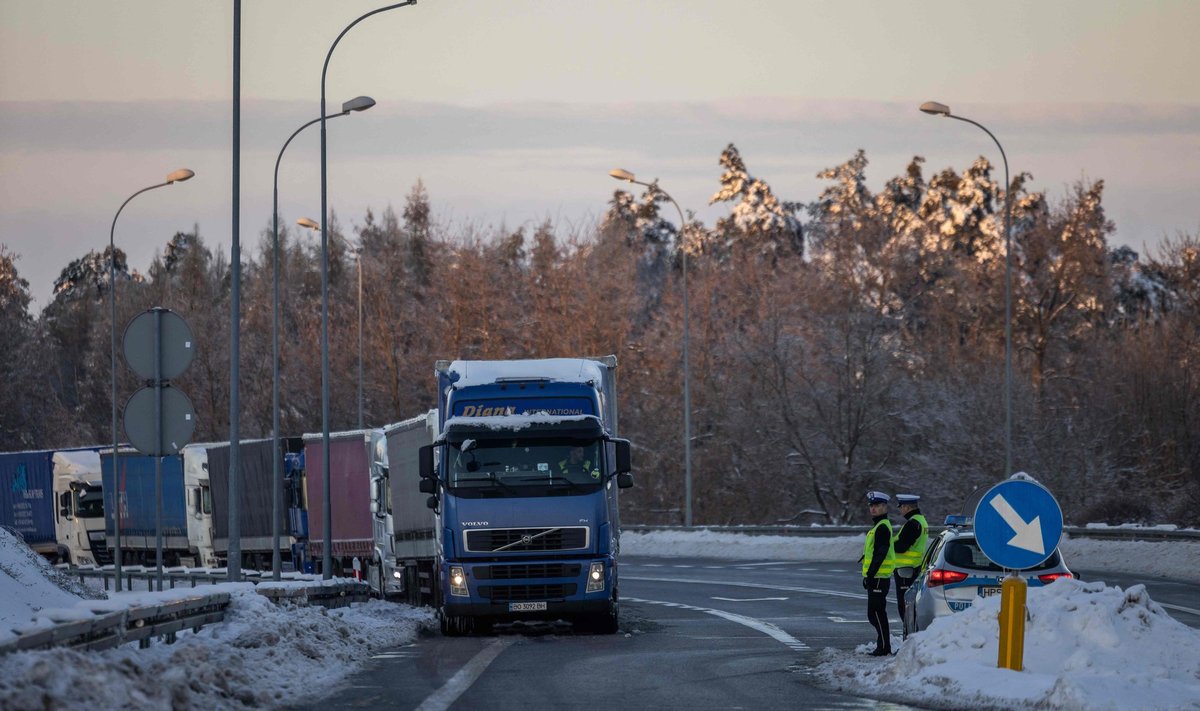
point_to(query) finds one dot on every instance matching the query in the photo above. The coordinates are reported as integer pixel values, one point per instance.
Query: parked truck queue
(501, 504)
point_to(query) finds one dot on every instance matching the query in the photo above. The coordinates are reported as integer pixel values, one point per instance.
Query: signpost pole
(1012, 623)
(158, 453)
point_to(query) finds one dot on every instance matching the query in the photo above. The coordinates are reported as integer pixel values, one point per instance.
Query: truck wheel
(455, 625)
(603, 623)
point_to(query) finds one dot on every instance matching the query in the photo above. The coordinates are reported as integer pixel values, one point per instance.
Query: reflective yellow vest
(911, 558)
(889, 563)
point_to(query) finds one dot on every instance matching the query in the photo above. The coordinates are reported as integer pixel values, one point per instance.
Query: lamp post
(358, 260)
(327, 512)
(177, 176)
(360, 103)
(628, 177)
(937, 109)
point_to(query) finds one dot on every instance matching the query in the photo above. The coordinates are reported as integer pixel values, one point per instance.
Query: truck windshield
(525, 467)
(90, 503)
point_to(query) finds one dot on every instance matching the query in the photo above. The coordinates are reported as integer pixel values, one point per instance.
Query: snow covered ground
(1087, 646)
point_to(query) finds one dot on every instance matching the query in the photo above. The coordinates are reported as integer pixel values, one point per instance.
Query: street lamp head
(358, 103)
(180, 175)
(309, 223)
(622, 174)
(935, 109)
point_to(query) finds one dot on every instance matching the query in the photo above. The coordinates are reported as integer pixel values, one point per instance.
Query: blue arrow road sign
(1018, 524)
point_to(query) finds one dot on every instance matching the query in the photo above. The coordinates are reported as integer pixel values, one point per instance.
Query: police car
(955, 573)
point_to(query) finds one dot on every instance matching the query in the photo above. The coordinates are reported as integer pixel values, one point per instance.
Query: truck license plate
(526, 606)
(989, 590)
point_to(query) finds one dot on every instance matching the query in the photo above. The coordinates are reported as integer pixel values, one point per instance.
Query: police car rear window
(965, 553)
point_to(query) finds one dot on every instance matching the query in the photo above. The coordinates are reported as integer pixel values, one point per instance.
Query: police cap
(877, 497)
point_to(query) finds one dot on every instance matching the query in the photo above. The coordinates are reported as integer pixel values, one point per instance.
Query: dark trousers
(877, 593)
(902, 586)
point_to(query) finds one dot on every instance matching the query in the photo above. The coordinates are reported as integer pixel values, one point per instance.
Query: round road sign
(178, 421)
(139, 343)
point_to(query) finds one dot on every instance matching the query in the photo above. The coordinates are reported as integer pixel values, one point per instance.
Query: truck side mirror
(374, 506)
(428, 486)
(432, 502)
(624, 462)
(624, 480)
(425, 461)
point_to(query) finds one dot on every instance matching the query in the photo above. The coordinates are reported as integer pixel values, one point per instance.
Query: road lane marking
(748, 599)
(1181, 608)
(765, 627)
(442, 699)
(759, 586)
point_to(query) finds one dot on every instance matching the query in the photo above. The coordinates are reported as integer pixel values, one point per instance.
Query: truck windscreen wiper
(496, 480)
(553, 480)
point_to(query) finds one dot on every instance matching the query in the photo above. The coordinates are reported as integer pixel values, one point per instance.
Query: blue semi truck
(52, 499)
(524, 479)
(130, 502)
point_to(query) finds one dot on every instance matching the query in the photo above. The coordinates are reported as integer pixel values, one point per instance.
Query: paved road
(695, 634)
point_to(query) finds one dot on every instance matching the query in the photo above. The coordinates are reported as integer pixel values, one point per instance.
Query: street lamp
(177, 176)
(359, 103)
(628, 177)
(327, 558)
(937, 109)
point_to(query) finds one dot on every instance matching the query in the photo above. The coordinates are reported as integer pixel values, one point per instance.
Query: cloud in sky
(516, 163)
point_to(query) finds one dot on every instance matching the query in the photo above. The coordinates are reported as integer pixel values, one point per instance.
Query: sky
(513, 112)
(1087, 645)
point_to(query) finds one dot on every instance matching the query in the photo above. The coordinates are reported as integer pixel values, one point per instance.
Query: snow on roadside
(1178, 560)
(263, 656)
(28, 583)
(1087, 646)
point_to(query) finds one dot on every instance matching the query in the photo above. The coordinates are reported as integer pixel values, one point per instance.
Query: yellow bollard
(1012, 623)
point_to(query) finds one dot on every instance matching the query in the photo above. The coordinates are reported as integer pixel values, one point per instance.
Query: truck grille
(524, 571)
(524, 540)
(517, 593)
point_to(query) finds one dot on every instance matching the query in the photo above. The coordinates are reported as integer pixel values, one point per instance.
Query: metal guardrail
(1104, 532)
(110, 628)
(332, 595)
(172, 577)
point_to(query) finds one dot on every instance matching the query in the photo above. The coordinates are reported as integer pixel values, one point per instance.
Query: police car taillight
(1048, 578)
(938, 576)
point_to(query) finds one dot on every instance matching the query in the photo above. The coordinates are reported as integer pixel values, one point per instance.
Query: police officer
(878, 562)
(909, 544)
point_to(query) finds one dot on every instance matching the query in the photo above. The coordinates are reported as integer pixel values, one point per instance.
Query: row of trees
(852, 342)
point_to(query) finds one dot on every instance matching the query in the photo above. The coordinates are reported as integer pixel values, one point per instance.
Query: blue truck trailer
(129, 500)
(524, 479)
(52, 499)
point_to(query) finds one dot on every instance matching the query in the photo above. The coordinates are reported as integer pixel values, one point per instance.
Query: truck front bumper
(555, 610)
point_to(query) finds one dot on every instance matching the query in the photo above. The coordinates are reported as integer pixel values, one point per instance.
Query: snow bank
(715, 544)
(28, 584)
(1087, 646)
(1179, 560)
(263, 656)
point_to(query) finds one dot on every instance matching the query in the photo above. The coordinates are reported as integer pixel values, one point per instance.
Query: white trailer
(404, 527)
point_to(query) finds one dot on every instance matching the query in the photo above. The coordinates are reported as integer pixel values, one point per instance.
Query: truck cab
(79, 518)
(524, 479)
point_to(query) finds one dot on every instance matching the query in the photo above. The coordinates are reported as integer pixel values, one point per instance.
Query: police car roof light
(958, 520)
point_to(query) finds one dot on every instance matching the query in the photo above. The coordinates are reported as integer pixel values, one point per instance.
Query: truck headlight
(595, 581)
(397, 575)
(458, 581)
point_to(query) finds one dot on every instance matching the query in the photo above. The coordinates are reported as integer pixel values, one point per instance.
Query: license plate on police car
(989, 590)
(526, 606)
